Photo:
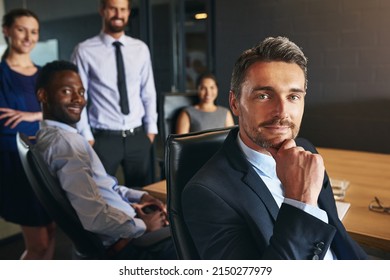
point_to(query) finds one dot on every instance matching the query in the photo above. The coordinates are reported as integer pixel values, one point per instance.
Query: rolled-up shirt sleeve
(131, 195)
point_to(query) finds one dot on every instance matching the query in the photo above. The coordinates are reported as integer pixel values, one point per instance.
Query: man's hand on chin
(300, 171)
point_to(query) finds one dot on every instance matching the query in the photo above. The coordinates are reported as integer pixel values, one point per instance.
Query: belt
(123, 133)
(117, 246)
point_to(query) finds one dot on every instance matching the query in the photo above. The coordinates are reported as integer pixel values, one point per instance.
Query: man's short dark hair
(103, 3)
(270, 49)
(47, 72)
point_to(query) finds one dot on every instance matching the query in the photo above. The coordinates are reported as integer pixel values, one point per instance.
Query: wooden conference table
(369, 176)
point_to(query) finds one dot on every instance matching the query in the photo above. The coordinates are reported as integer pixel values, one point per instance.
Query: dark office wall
(70, 31)
(55, 9)
(347, 43)
(162, 47)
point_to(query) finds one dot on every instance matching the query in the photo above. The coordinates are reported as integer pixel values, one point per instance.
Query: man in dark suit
(265, 194)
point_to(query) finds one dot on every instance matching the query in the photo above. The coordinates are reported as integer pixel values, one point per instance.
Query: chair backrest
(169, 106)
(185, 154)
(47, 188)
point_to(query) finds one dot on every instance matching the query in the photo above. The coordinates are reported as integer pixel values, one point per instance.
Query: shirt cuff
(87, 133)
(312, 210)
(140, 227)
(130, 194)
(150, 128)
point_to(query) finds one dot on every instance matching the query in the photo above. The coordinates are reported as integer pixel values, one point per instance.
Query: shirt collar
(264, 163)
(108, 40)
(51, 123)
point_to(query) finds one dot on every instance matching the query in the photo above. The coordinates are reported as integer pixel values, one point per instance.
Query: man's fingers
(288, 144)
(272, 151)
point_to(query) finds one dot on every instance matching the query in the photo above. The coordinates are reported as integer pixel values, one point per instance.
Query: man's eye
(67, 91)
(295, 97)
(82, 93)
(263, 96)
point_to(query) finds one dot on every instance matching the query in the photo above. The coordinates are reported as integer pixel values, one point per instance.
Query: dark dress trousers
(231, 214)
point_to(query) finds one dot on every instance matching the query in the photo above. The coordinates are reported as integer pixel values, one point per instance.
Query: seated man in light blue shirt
(113, 212)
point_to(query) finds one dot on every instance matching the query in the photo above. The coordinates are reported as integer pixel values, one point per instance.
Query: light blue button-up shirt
(96, 61)
(101, 204)
(265, 167)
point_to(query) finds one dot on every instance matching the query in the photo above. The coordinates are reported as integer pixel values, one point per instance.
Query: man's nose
(118, 13)
(77, 97)
(281, 108)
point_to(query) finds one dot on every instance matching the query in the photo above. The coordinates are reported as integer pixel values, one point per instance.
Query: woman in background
(20, 112)
(205, 114)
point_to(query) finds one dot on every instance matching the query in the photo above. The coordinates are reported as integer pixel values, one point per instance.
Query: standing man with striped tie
(121, 117)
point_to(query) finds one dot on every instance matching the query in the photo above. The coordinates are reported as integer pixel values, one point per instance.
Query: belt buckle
(125, 133)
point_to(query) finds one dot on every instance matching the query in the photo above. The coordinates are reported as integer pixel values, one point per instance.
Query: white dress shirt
(265, 167)
(101, 204)
(96, 61)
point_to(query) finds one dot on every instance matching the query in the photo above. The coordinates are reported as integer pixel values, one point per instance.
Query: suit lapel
(253, 181)
(250, 177)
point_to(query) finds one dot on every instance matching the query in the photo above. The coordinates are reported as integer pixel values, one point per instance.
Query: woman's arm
(183, 123)
(15, 116)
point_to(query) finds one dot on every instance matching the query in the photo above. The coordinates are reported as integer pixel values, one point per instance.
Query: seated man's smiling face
(63, 99)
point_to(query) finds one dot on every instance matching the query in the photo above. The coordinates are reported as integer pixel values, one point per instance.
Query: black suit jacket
(231, 214)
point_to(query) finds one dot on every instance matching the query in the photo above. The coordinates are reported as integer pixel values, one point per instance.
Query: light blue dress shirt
(265, 167)
(101, 204)
(96, 61)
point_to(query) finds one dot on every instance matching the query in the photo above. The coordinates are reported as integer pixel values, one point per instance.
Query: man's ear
(5, 31)
(42, 96)
(233, 102)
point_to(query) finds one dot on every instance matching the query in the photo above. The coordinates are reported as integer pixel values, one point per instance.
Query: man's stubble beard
(115, 29)
(259, 139)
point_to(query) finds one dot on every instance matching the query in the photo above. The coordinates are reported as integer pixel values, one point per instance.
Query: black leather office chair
(87, 245)
(169, 106)
(185, 154)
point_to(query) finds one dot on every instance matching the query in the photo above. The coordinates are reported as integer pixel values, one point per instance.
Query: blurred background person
(206, 114)
(20, 112)
(121, 117)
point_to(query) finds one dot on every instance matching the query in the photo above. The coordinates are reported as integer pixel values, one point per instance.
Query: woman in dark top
(20, 111)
